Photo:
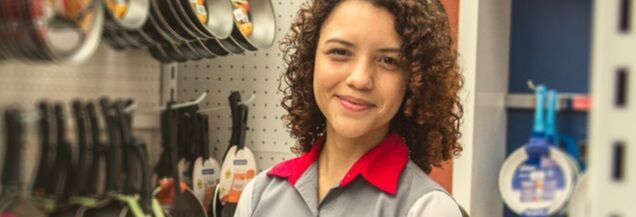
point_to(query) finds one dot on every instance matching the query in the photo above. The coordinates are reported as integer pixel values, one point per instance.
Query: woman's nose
(361, 75)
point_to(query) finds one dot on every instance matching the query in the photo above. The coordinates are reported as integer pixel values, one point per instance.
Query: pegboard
(130, 74)
(252, 74)
(612, 187)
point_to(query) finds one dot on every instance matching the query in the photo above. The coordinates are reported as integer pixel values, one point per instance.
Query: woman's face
(358, 83)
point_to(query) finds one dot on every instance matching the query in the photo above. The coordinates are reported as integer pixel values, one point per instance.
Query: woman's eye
(390, 61)
(338, 52)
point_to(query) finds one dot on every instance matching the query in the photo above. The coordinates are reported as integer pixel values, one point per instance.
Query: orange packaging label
(200, 9)
(117, 8)
(239, 181)
(74, 9)
(242, 17)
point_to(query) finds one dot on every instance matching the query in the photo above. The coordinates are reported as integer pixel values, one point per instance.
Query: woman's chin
(351, 131)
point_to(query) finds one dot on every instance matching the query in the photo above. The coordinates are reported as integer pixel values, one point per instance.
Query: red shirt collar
(381, 166)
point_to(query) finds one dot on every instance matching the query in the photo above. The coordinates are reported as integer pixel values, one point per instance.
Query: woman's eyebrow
(340, 41)
(389, 50)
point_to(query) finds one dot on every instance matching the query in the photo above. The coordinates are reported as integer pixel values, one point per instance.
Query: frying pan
(263, 19)
(175, 53)
(46, 128)
(15, 36)
(72, 35)
(218, 48)
(131, 40)
(95, 190)
(59, 184)
(159, 54)
(178, 12)
(189, 52)
(155, 32)
(136, 158)
(183, 202)
(239, 165)
(119, 204)
(200, 48)
(218, 22)
(13, 201)
(127, 15)
(212, 17)
(169, 12)
(163, 24)
(79, 189)
(142, 37)
(113, 40)
(206, 171)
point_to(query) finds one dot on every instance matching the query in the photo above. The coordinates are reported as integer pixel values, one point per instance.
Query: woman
(372, 101)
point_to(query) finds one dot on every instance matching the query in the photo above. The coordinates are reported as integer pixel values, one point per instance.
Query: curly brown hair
(430, 114)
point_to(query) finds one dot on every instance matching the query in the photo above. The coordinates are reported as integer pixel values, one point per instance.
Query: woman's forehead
(361, 21)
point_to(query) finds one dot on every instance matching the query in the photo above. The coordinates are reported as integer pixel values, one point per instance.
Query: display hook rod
(244, 102)
(133, 108)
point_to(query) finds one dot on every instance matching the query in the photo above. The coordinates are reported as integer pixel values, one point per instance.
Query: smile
(354, 104)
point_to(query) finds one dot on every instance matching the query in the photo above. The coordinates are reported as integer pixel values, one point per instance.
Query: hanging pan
(189, 52)
(153, 29)
(159, 54)
(126, 14)
(254, 24)
(66, 31)
(164, 18)
(79, 190)
(13, 202)
(202, 49)
(212, 17)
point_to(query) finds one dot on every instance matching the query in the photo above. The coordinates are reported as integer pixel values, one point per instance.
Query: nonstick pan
(202, 49)
(263, 19)
(127, 15)
(212, 17)
(189, 52)
(112, 39)
(160, 54)
(162, 22)
(73, 34)
(156, 33)
(79, 191)
(168, 11)
(13, 202)
(175, 53)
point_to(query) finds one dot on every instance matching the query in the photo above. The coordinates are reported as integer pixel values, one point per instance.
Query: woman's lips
(354, 104)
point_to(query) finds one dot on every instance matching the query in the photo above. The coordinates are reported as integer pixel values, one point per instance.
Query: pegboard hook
(132, 107)
(244, 102)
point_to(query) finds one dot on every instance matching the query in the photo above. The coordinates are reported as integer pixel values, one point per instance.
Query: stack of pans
(50, 30)
(188, 30)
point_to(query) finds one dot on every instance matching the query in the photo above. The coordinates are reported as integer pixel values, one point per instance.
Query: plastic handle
(539, 127)
(97, 149)
(550, 128)
(47, 154)
(13, 154)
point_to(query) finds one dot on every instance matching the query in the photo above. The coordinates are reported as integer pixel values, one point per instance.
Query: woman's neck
(340, 153)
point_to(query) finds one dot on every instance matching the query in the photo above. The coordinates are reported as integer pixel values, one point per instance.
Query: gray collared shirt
(417, 196)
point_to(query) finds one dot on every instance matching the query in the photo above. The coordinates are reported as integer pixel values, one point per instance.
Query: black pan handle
(205, 136)
(84, 157)
(234, 99)
(146, 179)
(113, 153)
(131, 185)
(65, 159)
(47, 151)
(98, 151)
(242, 129)
(14, 130)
